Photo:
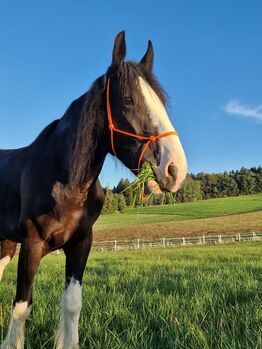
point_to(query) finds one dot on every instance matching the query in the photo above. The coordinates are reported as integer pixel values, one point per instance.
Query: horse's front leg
(76, 256)
(29, 258)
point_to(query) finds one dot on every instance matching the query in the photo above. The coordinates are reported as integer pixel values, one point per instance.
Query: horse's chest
(58, 228)
(59, 225)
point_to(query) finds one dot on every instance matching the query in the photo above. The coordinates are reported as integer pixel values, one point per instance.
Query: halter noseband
(151, 139)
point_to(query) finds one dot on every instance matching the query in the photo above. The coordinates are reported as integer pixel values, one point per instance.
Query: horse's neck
(83, 156)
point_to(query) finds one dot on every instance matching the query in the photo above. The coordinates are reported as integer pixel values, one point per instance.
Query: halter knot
(152, 139)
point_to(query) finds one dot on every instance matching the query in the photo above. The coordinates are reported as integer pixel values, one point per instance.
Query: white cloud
(235, 107)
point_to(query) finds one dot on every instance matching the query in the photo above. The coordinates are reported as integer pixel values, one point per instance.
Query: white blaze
(171, 150)
(15, 337)
(67, 337)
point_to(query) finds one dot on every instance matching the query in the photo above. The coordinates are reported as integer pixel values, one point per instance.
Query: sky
(208, 58)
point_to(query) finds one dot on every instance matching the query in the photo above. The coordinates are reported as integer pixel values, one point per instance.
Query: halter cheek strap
(112, 128)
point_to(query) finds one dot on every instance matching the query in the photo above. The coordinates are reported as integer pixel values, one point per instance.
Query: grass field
(215, 216)
(192, 298)
(186, 211)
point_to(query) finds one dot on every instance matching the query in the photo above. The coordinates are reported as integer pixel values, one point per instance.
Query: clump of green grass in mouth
(139, 185)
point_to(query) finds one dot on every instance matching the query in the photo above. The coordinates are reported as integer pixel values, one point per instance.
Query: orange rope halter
(112, 129)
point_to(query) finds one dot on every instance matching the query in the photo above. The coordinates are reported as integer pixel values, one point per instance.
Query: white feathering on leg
(67, 336)
(16, 337)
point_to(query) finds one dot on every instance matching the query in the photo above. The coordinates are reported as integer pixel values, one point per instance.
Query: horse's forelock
(129, 73)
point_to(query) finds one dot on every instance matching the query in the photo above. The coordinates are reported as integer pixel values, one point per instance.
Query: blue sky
(208, 57)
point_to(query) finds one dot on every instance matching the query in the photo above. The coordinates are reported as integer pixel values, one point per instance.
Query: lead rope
(112, 128)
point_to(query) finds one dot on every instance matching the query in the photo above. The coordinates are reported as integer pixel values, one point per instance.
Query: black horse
(50, 195)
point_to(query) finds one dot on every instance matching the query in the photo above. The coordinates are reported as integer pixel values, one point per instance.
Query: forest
(198, 186)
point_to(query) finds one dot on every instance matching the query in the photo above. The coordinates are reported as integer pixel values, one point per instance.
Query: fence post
(115, 245)
(138, 243)
(164, 242)
(254, 236)
(183, 241)
(204, 239)
(239, 237)
(219, 239)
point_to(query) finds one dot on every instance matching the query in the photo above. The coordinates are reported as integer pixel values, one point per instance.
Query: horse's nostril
(173, 171)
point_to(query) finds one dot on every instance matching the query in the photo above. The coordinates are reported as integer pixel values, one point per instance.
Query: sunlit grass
(181, 212)
(195, 297)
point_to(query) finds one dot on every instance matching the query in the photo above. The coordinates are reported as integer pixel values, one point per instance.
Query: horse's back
(11, 166)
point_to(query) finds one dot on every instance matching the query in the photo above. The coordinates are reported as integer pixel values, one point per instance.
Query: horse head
(140, 128)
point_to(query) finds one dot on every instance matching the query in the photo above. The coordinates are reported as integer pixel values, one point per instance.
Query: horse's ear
(119, 51)
(148, 59)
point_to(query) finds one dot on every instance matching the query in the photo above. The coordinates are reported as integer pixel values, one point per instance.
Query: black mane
(91, 121)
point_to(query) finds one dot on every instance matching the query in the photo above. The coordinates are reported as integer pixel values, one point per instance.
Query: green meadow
(181, 212)
(188, 297)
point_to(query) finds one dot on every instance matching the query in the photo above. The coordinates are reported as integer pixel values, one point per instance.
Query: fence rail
(118, 245)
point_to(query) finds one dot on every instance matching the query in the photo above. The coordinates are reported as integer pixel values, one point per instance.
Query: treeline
(196, 187)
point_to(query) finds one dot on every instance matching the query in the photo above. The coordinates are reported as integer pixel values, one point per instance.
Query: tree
(226, 185)
(121, 202)
(110, 204)
(123, 187)
(246, 181)
(191, 190)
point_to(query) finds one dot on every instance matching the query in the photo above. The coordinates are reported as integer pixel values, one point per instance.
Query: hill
(214, 216)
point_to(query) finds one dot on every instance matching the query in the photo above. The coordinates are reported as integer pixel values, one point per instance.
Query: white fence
(119, 245)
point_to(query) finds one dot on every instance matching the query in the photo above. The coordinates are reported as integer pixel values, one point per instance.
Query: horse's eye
(128, 101)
